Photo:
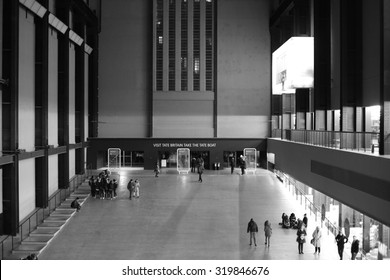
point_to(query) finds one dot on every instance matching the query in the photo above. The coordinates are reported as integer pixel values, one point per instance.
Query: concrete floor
(178, 218)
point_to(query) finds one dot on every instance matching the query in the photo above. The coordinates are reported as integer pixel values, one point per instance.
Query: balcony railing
(358, 141)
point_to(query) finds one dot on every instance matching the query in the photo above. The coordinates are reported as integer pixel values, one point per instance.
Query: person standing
(301, 238)
(305, 220)
(231, 165)
(130, 188)
(193, 165)
(137, 186)
(252, 230)
(317, 240)
(242, 164)
(267, 233)
(341, 239)
(354, 248)
(115, 186)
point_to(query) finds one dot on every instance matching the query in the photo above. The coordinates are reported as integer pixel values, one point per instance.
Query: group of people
(252, 229)
(292, 221)
(102, 186)
(301, 226)
(134, 188)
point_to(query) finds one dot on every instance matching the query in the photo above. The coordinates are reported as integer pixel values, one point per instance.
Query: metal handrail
(345, 140)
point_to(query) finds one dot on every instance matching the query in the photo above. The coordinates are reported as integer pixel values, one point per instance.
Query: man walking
(252, 229)
(341, 239)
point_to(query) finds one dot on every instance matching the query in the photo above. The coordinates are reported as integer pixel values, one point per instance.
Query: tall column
(322, 62)
(190, 59)
(366, 234)
(41, 106)
(62, 10)
(384, 143)
(10, 112)
(351, 61)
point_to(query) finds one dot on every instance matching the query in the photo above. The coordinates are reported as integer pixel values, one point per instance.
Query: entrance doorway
(205, 155)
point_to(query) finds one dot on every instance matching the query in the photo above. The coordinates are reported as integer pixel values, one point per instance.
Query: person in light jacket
(267, 232)
(317, 240)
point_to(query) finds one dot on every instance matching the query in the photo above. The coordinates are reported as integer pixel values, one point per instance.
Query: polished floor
(176, 217)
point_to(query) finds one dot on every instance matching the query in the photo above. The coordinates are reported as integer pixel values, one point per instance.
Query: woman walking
(317, 240)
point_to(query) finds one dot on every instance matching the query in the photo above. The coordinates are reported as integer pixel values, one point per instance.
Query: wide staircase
(51, 226)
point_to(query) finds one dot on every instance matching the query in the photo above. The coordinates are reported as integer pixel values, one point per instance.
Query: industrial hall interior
(195, 129)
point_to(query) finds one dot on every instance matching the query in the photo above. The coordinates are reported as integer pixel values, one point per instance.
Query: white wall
(72, 94)
(53, 174)
(86, 89)
(53, 89)
(26, 187)
(72, 163)
(26, 81)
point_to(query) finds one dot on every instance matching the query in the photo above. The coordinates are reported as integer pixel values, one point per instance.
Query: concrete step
(57, 224)
(38, 239)
(29, 248)
(69, 211)
(55, 219)
(44, 231)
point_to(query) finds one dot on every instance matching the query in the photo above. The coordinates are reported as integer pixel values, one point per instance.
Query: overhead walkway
(176, 217)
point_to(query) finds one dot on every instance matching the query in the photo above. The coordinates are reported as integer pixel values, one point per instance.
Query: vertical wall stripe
(178, 46)
(166, 46)
(190, 45)
(202, 45)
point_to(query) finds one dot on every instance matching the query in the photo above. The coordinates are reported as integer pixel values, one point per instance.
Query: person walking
(341, 239)
(301, 238)
(200, 172)
(354, 248)
(267, 232)
(252, 230)
(130, 188)
(317, 240)
(157, 170)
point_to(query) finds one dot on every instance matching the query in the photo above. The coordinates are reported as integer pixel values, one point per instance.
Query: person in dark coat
(301, 239)
(114, 186)
(232, 165)
(252, 229)
(92, 185)
(354, 248)
(341, 239)
(76, 204)
(200, 172)
(130, 188)
(305, 220)
(242, 164)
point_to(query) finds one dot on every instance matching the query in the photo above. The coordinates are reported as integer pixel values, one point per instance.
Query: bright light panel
(293, 65)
